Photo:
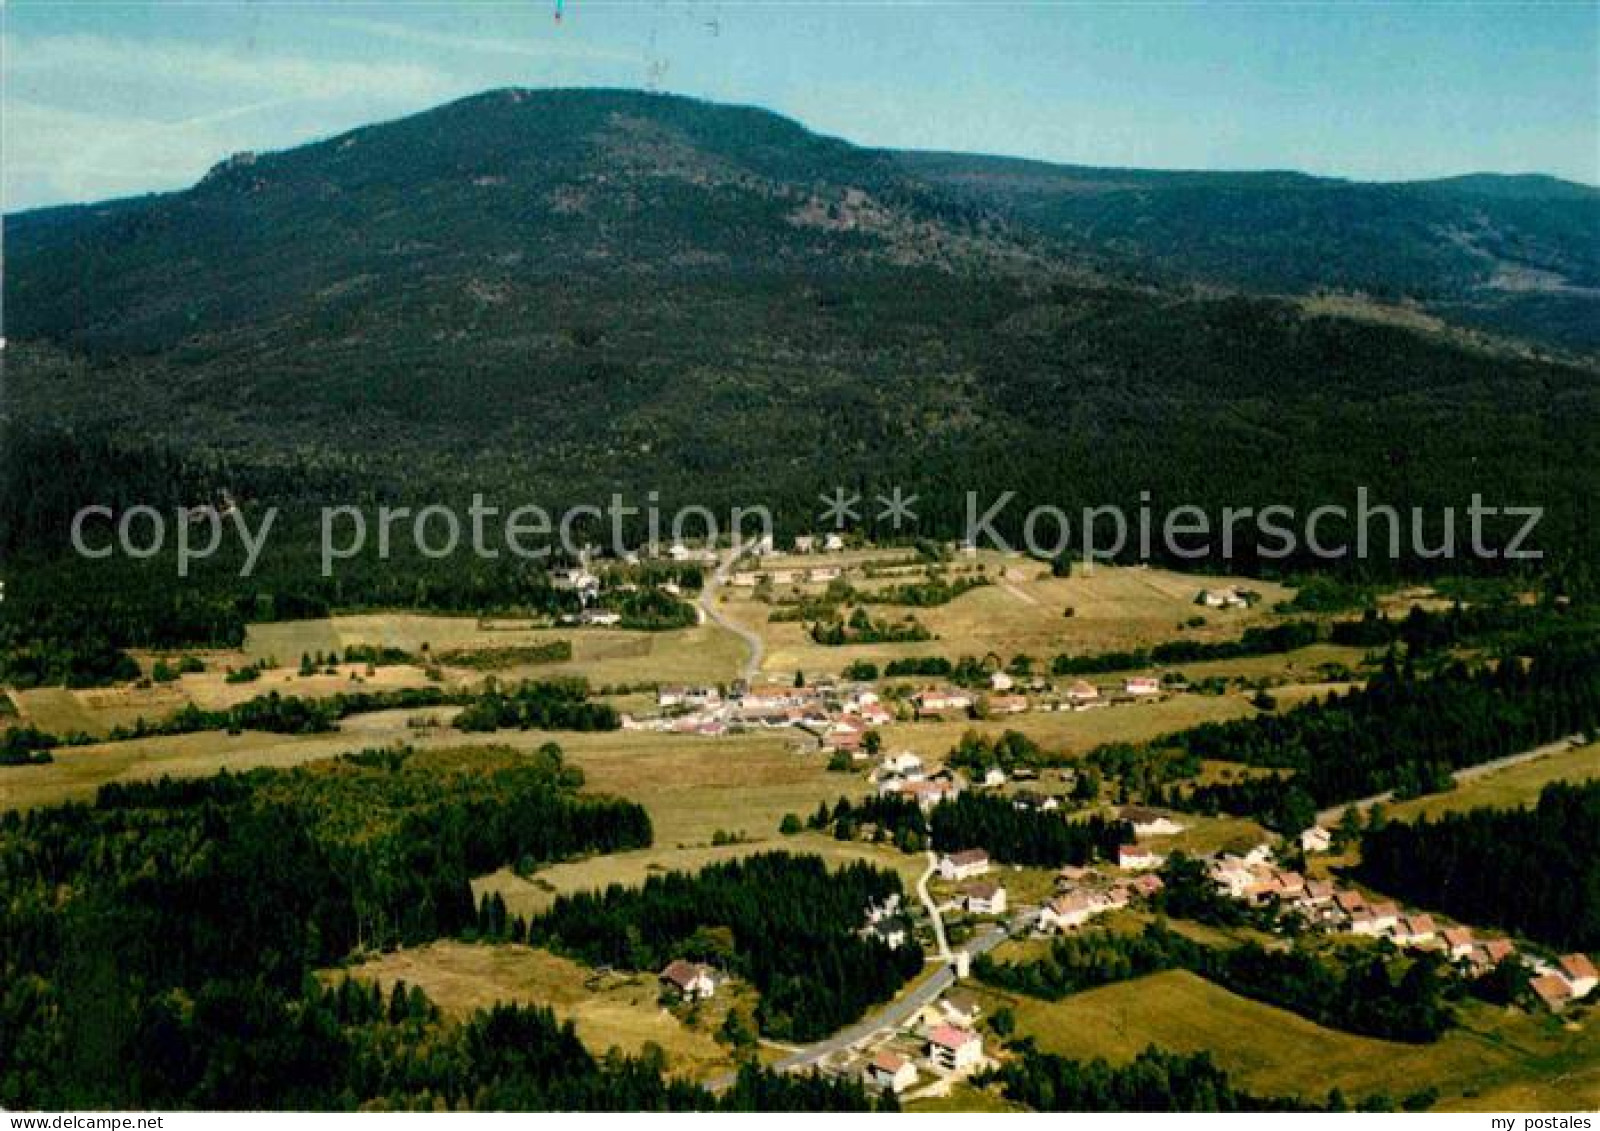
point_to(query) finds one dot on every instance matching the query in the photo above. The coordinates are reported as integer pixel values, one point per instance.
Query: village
(921, 1046)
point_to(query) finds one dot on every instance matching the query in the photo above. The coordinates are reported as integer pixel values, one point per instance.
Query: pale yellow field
(1076, 731)
(704, 653)
(609, 1010)
(1513, 786)
(1496, 1061)
(1115, 608)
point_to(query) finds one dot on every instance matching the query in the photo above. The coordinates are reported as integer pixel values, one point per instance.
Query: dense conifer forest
(785, 923)
(1534, 871)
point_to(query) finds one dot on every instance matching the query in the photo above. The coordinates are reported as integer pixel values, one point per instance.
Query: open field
(1496, 1061)
(1513, 786)
(1076, 731)
(693, 787)
(621, 1010)
(704, 653)
(1114, 608)
(606, 657)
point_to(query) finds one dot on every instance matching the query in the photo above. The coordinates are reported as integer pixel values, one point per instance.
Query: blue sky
(108, 99)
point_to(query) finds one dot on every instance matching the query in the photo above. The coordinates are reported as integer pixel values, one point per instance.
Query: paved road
(1466, 774)
(708, 605)
(933, 908)
(898, 1012)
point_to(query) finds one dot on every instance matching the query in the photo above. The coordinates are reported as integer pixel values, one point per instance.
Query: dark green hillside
(1518, 255)
(554, 296)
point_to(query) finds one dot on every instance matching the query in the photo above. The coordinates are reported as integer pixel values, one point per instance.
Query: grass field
(1076, 731)
(704, 653)
(620, 1010)
(693, 787)
(1495, 1062)
(1513, 786)
(1114, 608)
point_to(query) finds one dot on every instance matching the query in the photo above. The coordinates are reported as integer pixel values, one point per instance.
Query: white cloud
(85, 59)
(577, 50)
(86, 117)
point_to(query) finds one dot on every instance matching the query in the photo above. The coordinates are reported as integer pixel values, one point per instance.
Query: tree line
(1535, 871)
(1402, 732)
(1356, 991)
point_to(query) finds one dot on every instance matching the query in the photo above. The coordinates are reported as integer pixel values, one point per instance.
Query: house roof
(981, 891)
(1498, 949)
(1552, 989)
(682, 973)
(967, 856)
(950, 1037)
(962, 1002)
(1457, 936)
(890, 1062)
(1418, 925)
(1576, 966)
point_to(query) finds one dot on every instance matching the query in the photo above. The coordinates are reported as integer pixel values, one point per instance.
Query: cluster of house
(903, 775)
(1083, 893)
(1255, 878)
(1006, 696)
(838, 713)
(950, 1045)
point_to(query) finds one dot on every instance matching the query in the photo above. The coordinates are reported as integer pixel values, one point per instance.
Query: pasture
(610, 1010)
(1495, 1061)
(1024, 611)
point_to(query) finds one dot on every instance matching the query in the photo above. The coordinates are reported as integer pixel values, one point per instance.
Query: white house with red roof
(890, 1071)
(954, 1050)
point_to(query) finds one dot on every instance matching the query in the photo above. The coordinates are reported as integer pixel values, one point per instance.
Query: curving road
(933, 908)
(895, 1014)
(708, 605)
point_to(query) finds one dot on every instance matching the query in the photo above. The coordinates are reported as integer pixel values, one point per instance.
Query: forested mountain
(1512, 254)
(561, 294)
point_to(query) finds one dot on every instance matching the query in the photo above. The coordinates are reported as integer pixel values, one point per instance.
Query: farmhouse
(961, 1009)
(890, 1071)
(1150, 822)
(1142, 685)
(1553, 990)
(984, 899)
(1579, 972)
(1316, 839)
(1071, 910)
(963, 865)
(1082, 692)
(1135, 857)
(904, 763)
(954, 1050)
(937, 701)
(1414, 930)
(691, 980)
(1006, 704)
